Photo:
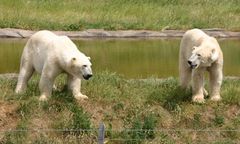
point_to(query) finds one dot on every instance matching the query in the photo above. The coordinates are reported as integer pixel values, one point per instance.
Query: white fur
(50, 55)
(198, 53)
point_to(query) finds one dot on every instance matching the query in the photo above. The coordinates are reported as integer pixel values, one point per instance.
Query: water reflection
(133, 58)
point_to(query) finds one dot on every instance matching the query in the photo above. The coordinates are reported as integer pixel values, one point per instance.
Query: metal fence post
(101, 133)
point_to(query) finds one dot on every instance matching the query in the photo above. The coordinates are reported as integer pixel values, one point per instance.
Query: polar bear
(198, 53)
(50, 55)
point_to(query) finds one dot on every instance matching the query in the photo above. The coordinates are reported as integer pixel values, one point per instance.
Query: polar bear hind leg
(74, 84)
(26, 71)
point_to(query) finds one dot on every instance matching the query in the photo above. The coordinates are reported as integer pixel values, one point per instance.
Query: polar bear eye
(199, 55)
(84, 65)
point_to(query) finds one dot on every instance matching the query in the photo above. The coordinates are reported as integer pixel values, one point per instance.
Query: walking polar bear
(198, 53)
(50, 55)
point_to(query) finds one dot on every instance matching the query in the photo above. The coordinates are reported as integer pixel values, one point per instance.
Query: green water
(133, 58)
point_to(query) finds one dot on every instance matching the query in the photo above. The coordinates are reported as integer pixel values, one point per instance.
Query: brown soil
(99, 113)
(8, 117)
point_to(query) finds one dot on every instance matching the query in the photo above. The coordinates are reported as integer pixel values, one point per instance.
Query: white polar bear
(198, 53)
(50, 55)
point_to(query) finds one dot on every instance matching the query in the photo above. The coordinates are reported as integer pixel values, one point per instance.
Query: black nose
(189, 62)
(87, 76)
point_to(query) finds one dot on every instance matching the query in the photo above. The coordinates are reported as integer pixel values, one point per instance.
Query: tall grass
(120, 14)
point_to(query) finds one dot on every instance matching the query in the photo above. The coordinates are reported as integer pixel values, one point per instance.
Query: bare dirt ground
(8, 117)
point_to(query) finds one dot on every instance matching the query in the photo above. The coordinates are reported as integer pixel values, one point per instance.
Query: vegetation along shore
(158, 15)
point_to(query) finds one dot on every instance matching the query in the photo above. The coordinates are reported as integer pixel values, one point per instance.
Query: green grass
(154, 107)
(120, 14)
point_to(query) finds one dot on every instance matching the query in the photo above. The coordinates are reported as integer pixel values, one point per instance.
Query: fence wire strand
(94, 132)
(122, 130)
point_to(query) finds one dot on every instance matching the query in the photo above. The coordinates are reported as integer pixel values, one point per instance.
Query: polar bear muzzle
(86, 72)
(194, 61)
(191, 65)
(86, 77)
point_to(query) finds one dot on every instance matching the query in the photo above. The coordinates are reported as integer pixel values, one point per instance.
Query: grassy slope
(123, 105)
(120, 14)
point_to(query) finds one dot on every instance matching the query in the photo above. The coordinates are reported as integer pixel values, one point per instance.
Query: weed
(197, 121)
(80, 120)
(149, 125)
(219, 120)
(18, 135)
(136, 132)
(142, 130)
(26, 108)
(230, 92)
(118, 106)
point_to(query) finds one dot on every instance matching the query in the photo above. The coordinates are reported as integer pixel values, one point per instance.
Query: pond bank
(99, 33)
(15, 76)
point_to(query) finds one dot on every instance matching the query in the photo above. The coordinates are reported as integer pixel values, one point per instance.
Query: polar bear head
(203, 56)
(81, 67)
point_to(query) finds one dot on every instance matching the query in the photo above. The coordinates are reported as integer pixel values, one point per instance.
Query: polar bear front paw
(215, 98)
(19, 90)
(43, 98)
(80, 96)
(198, 99)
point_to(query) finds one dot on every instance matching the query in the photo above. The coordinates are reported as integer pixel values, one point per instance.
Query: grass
(120, 15)
(133, 111)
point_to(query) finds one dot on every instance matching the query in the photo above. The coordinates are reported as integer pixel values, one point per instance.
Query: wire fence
(102, 135)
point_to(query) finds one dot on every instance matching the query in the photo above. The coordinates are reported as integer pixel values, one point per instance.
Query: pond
(132, 58)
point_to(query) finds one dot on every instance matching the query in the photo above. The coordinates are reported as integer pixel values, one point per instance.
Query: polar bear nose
(189, 62)
(87, 76)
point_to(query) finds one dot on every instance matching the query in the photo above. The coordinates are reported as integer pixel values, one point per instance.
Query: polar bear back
(37, 49)
(46, 46)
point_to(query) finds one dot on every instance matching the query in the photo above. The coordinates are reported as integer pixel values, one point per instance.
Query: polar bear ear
(89, 58)
(73, 62)
(73, 59)
(214, 55)
(193, 48)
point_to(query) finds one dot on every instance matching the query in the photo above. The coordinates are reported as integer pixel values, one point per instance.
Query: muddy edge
(99, 33)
